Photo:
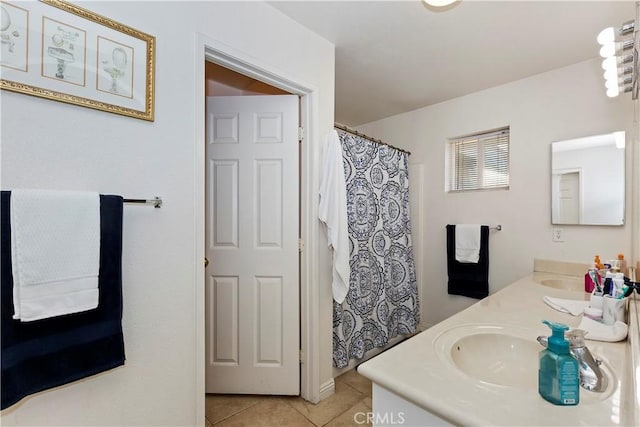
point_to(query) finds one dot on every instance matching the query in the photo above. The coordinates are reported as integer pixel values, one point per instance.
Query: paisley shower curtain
(382, 301)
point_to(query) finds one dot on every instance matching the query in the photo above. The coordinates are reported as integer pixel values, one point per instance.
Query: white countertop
(416, 372)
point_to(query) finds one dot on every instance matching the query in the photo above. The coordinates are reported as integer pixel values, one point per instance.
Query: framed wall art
(59, 51)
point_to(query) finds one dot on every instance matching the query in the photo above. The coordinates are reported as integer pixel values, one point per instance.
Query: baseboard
(327, 389)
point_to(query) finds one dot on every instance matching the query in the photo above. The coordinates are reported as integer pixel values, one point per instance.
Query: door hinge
(300, 134)
(301, 355)
(300, 245)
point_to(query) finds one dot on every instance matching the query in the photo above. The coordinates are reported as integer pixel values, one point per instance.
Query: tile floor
(348, 406)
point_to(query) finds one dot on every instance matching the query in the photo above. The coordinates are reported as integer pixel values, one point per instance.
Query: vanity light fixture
(621, 63)
(610, 49)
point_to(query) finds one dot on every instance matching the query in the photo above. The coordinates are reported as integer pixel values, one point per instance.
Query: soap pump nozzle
(556, 342)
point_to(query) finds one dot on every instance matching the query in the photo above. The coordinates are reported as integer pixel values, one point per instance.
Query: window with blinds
(479, 161)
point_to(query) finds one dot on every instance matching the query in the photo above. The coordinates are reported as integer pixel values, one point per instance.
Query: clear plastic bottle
(623, 264)
(558, 374)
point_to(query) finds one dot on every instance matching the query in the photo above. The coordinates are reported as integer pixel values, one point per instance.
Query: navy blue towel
(468, 279)
(51, 352)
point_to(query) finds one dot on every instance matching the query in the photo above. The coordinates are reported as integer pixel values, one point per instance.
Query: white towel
(573, 307)
(55, 247)
(600, 332)
(468, 243)
(333, 213)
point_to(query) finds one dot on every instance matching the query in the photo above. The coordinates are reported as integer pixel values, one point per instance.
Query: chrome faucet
(591, 376)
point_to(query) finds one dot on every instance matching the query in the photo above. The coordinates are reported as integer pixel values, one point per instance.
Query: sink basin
(569, 284)
(516, 366)
(501, 356)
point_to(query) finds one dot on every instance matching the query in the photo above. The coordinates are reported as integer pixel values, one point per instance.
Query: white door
(569, 191)
(252, 303)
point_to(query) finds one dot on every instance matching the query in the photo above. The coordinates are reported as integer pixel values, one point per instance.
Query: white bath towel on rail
(333, 212)
(468, 243)
(55, 247)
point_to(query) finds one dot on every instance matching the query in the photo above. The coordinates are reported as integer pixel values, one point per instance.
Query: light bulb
(611, 74)
(439, 3)
(610, 63)
(613, 92)
(608, 49)
(610, 84)
(606, 36)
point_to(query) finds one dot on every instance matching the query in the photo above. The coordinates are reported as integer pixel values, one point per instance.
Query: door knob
(206, 262)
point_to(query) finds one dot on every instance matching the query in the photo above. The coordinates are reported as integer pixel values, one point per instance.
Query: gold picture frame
(59, 51)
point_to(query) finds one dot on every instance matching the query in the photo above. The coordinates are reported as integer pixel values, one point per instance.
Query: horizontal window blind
(479, 161)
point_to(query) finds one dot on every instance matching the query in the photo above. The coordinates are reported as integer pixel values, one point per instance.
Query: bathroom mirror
(587, 180)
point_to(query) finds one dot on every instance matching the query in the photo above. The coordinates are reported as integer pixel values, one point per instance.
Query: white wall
(53, 145)
(561, 104)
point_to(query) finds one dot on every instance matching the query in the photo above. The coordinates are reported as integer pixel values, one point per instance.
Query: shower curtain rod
(356, 133)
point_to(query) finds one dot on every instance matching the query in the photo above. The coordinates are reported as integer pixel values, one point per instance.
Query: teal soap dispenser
(558, 374)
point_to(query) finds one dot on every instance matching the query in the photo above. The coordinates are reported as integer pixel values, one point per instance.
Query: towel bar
(156, 202)
(497, 227)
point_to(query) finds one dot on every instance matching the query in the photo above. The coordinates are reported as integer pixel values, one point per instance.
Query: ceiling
(396, 56)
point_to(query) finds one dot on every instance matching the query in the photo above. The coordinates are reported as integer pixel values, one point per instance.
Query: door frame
(208, 49)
